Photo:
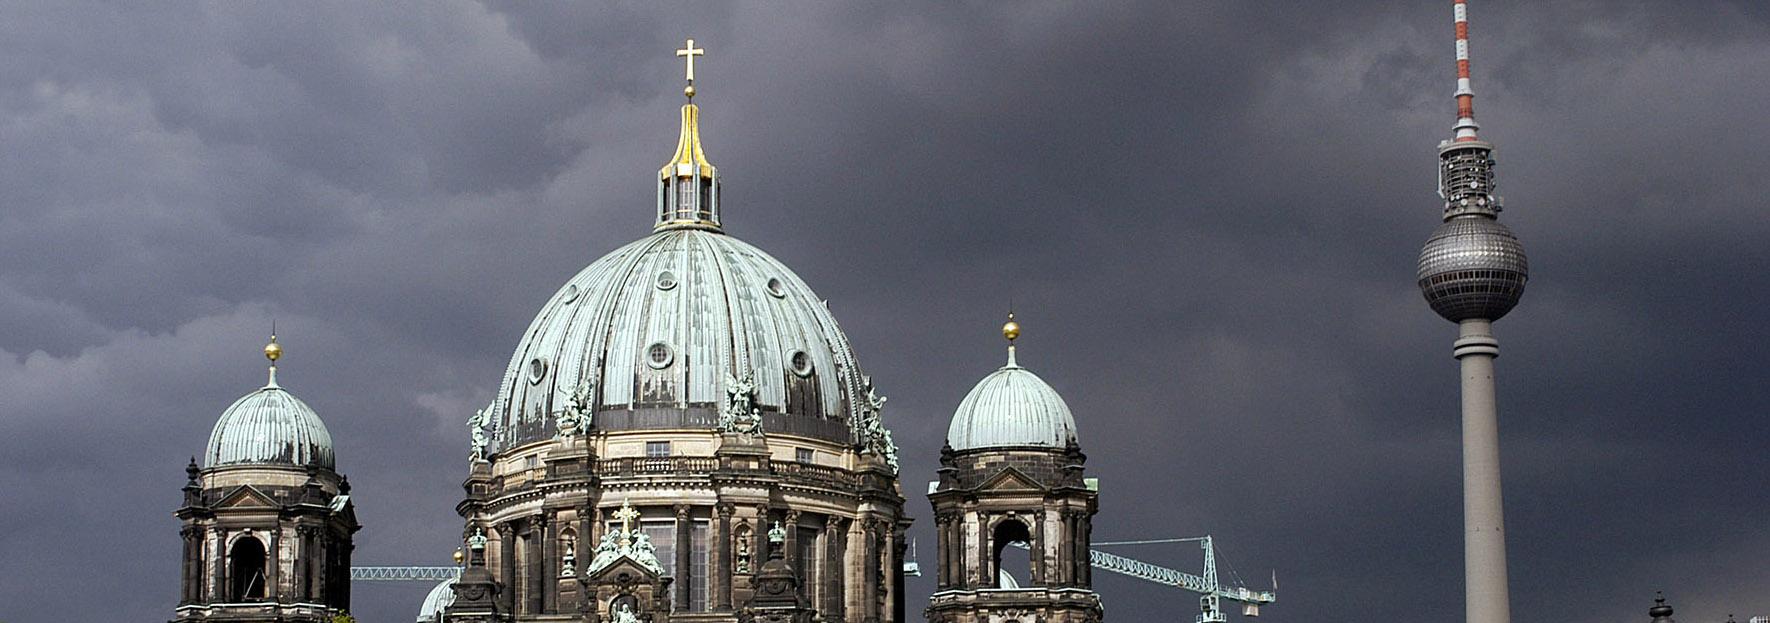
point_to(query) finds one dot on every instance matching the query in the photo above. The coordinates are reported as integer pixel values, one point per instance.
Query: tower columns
(1484, 538)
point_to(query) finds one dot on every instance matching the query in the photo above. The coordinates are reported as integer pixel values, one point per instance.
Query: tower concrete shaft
(1486, 598)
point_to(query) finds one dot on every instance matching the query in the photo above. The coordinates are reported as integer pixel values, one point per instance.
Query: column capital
(682, 511)
(726, 509)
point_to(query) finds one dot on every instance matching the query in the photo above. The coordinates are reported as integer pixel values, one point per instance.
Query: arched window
(246, 570)
(1014, 568)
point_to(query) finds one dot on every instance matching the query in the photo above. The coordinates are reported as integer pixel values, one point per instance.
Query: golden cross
(689, 52)
(626, 515)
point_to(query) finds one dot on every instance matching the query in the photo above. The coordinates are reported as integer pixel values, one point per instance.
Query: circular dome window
(571, 294)
(776, 288)
(801, 362)
(537, 370)
(659, 356)
(666, 280)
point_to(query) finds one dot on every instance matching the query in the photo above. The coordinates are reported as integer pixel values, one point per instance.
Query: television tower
(1472, 271)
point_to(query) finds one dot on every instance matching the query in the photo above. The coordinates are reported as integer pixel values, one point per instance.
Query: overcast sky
(1205, 213)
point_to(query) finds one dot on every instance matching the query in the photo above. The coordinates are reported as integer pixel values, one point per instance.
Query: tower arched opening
(246, 560)
(1012, 565)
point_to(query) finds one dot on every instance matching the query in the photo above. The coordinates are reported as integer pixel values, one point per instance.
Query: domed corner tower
(1011, 477)
(700, 381)
(267, 519)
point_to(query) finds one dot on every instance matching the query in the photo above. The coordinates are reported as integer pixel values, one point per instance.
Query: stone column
(892, 569)
(986, 570)
(273, 558)
(1038, 548)
(217, 553)
(762, 546)
(1080, 545)
(684, 557)
(722, 548)
(831, 604)
(535, 565)
(1062, 572)
(323, 561)
(507, 541)
(791, 554)
(870, 582)
(1084, 562)
(550, 556)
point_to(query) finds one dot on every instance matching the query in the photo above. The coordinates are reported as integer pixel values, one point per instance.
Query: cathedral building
(683, 433)
(267, 519)
(671, 407)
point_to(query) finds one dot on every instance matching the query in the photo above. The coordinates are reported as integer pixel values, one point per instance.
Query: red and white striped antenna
(1466, 125)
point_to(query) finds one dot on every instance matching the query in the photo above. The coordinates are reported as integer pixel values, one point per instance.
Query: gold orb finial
(689, 91)
(460, 556)
(1011, 330)
(273, 351)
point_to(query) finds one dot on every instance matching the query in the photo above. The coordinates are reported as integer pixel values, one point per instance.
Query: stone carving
(868, 427)
(626, 541)
(569, 562)
(624, 614)
(575, 419)
(740, 414)
(477, 426)
(743, 552)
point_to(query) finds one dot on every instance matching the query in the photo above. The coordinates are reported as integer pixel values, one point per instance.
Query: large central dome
(657, 334)
(662, 326)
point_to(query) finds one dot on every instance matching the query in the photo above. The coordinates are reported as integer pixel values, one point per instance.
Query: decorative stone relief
(868, 427)
(575, 419)
(740, 414)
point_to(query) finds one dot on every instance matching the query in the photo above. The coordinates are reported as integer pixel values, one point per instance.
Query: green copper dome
(1011, 408)
(269, 426)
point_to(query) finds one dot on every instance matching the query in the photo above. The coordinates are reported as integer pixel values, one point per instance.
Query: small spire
(1011, 330)
(273, 351)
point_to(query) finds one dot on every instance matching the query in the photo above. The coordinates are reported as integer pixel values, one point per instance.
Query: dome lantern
(688, 186)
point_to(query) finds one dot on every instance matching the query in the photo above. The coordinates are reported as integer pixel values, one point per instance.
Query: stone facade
(707, 501)
(990, 499)
(265, 543)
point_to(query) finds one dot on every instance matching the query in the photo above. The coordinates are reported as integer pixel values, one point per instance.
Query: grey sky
(1206, 215)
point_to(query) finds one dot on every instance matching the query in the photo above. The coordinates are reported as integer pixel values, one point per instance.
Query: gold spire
(688, 148)
(273, 351)
(1011, 330)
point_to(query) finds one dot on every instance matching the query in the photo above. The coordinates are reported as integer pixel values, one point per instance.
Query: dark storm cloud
(1206, 214)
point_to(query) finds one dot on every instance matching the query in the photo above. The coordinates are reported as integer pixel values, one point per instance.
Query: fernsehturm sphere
(1472, 271)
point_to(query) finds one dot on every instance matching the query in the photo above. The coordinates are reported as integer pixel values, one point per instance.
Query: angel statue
(575, 418)
(477, 425)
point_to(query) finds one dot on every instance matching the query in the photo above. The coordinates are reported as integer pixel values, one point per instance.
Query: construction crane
(1212, 591)
(408, 574)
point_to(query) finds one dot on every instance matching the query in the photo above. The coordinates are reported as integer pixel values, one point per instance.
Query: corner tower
(267, 519)
(1011, 478)
(1472, 271)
